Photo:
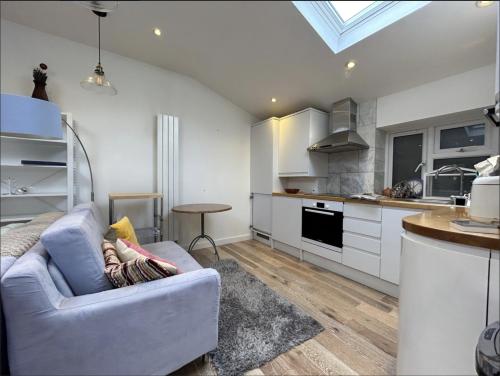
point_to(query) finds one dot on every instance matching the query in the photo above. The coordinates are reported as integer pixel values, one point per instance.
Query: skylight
(343, 23)
(349, 9)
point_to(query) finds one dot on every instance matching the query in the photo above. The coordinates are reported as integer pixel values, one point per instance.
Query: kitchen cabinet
(443, 295)
(264, 157)
(297, 132)
(494, 291)
(287, 220)
(262, 213)
(390, 251)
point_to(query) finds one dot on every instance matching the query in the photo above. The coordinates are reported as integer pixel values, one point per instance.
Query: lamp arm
(88, 161)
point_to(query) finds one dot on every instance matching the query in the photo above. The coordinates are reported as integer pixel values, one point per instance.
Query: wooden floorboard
(360, 323)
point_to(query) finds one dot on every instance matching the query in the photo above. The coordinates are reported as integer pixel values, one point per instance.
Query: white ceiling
(252, 51)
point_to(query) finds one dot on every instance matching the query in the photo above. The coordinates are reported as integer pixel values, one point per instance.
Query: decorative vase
(39, 92)
(40, 79)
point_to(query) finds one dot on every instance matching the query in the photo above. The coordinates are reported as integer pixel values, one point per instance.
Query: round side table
(202, 209)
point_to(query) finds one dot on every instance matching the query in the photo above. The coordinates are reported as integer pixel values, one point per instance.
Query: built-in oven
(322, 223)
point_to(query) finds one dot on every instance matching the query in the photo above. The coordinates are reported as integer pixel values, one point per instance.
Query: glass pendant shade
(98, 83)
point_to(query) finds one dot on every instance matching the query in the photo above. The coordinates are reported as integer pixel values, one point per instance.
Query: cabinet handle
(320, 212)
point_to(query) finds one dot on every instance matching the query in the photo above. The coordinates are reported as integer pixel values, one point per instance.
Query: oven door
(324, 226)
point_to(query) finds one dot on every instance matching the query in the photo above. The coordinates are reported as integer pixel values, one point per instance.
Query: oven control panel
(326, 205)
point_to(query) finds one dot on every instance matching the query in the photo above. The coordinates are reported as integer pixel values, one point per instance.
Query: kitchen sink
(446, 201)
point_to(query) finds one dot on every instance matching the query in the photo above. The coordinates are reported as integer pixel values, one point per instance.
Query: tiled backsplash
(352, 172)
(360, 171)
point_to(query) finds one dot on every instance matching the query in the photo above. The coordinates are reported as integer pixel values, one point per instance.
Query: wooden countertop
(392, 202)
(436, 224)
(133, 196)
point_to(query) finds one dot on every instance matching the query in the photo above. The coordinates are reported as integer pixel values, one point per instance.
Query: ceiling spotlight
(273, 100)
(157, 32)
(351, 64)
(484, 4)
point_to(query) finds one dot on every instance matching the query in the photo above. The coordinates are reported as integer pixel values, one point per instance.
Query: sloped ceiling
(252, 51)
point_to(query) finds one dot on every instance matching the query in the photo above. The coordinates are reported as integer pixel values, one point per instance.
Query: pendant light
(97, 82)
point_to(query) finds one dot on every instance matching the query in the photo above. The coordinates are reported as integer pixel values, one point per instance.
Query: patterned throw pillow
(128, 251)
(140, 270)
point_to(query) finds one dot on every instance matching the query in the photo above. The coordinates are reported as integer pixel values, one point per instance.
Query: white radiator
(167, 177)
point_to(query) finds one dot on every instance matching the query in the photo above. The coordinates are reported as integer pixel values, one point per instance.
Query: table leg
(203, 236)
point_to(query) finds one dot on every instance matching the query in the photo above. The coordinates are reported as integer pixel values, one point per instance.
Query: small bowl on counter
(292, 190)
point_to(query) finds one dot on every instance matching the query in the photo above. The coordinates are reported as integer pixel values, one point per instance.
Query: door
(261, 156)
(324, 226)
(390, 250)
(293, 144)
(262, 213)
(286, 220)
(406, 157)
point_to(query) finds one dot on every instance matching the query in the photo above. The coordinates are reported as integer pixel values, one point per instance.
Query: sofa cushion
(59, 280)
(95, 212)
(74, 243)
(171, 251)
(140, 270)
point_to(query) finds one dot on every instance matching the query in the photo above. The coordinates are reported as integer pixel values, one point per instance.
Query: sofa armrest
(150, 328)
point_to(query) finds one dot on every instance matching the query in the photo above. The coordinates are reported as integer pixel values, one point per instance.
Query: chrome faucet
(449, 168)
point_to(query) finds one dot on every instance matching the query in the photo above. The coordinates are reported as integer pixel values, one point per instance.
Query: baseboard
(292, 251)
(203, 243)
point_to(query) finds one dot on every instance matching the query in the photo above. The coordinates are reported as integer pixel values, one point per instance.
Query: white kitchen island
(448, 294)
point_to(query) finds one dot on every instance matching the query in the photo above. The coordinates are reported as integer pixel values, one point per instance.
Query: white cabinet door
(390, 251)
(261, 156)
(287, 220)
(293, 144)
(262, 213)
(442, 307)
(494, 293)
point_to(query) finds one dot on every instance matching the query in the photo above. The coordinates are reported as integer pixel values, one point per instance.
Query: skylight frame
(339, 35)
(362, 13)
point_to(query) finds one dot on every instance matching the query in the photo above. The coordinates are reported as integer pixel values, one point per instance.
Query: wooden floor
(360, 323)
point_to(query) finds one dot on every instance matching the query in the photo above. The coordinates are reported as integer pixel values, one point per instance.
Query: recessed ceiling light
(273, 100)
(484, 4)
(351, 64)
(157, 32)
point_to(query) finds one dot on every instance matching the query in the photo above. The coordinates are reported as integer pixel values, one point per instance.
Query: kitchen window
(417, 153)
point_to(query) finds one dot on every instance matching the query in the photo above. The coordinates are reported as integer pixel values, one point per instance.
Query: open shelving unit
(51, 188)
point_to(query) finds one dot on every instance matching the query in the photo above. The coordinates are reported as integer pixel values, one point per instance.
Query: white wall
(119, 131)
(466, 91)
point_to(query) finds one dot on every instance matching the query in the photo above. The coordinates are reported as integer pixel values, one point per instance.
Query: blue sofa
(152, 328)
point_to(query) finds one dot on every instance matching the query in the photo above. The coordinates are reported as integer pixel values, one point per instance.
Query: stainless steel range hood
(343, 127)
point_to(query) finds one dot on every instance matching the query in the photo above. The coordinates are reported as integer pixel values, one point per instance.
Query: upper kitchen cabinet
(297, 132)
(264, 157)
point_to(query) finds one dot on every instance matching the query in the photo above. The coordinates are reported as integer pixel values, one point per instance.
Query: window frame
(431, 139)
(465, 150)
(389, 147)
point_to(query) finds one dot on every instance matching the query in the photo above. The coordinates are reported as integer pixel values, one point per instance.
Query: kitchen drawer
(323, 252)
(363, 227)
(362, 261)
(363, 211)
(361, 242)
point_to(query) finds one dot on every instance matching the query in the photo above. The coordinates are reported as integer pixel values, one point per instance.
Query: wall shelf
(52, 188)
(14, 165)
(35, 195)
(37, 140)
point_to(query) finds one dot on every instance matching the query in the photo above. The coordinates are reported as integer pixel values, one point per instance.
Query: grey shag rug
(255, 324)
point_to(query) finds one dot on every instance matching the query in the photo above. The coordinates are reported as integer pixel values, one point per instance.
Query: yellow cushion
(125, 230)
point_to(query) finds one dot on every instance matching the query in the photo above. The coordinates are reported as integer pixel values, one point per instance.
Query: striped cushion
(142, 269)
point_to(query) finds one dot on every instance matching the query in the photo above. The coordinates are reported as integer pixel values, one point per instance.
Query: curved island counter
(449, 292)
